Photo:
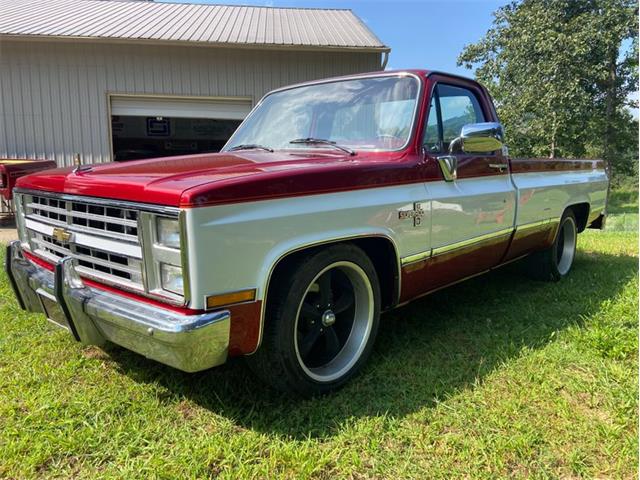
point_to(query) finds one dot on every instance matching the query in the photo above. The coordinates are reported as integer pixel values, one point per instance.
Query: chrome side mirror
(479, 138)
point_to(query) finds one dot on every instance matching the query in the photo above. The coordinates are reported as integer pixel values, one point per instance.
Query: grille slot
(109, 222)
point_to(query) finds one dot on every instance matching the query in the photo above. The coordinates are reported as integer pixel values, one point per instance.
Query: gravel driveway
(7, 234)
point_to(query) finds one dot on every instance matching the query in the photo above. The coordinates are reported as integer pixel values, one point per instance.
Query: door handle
(449, 166)
(499, 166)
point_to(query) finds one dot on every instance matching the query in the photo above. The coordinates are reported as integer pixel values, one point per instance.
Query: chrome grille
(116, 226)
(115, 222)
(107, 220)
(50, 246)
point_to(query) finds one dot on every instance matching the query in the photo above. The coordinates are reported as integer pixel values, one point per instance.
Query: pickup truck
(333, 201)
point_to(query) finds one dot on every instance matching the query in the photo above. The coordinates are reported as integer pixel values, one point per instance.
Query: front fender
(236, 247)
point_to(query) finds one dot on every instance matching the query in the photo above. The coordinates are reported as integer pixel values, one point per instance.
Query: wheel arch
(380, 248)
(581, 212)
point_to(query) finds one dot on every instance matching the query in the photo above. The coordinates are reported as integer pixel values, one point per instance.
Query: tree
(560, 76)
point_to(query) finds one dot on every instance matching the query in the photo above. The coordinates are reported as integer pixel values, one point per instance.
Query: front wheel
(321, 321)
(555, 262)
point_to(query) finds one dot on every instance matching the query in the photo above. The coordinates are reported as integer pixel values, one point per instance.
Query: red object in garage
(13, 168)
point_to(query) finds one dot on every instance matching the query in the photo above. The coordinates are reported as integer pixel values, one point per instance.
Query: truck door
(472, 214)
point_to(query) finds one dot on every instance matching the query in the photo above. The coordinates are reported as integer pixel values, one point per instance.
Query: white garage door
(157, 126)
(227, 109)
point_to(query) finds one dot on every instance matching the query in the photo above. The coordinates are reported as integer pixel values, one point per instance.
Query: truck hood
(208, 179)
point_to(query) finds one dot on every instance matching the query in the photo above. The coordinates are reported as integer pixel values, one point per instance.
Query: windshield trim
(346, 79)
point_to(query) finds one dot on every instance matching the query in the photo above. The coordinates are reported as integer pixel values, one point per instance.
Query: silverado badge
(61, 235)
(417, 212)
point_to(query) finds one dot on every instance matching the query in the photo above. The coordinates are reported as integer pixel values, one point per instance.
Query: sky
(426, 34)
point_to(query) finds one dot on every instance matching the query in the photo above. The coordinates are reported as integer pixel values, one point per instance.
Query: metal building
(102, 80)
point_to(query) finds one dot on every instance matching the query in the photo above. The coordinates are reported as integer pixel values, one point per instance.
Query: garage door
(180, 107)
(145, 127)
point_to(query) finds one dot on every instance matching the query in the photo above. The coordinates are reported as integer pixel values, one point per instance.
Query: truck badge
(416, 213)
(61, 235)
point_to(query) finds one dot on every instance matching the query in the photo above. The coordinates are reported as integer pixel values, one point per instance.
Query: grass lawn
(623, 210)
(498, 376)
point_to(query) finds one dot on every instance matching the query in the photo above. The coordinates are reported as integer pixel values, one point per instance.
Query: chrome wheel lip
(568, 234)
(358, 338)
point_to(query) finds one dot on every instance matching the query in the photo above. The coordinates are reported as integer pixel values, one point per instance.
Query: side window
(431, 139)
(458, 107)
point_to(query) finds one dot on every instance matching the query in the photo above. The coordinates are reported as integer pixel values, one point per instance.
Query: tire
(555, 262)
(321, 321)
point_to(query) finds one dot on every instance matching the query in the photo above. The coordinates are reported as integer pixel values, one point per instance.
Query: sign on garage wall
(158, 127)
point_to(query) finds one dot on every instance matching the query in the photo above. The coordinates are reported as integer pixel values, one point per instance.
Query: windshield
(362, 114)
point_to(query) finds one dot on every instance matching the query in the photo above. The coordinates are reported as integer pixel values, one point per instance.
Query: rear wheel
(321, 322)
(555, 262)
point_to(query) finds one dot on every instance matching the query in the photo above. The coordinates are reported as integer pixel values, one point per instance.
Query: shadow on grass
(425, 351)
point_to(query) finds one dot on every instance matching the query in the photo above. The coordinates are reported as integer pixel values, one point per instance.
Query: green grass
(496, 377)
(623, 210)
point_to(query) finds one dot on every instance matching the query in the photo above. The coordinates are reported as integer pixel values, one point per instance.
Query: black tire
(306, 348)
(555, 262)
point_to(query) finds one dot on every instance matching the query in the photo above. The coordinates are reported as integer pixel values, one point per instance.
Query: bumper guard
(93, 316)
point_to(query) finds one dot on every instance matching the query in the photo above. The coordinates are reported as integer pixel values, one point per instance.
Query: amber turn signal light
(214, 301)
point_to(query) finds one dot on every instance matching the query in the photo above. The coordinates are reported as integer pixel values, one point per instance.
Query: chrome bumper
(93, 316)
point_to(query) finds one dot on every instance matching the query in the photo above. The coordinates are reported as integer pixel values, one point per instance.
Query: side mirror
(479, 138)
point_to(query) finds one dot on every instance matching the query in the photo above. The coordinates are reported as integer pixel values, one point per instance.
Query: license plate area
(52, 309)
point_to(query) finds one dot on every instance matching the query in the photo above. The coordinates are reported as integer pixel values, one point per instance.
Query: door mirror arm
(456, 145)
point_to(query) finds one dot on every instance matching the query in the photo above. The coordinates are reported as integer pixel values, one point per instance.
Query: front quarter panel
(235, 247)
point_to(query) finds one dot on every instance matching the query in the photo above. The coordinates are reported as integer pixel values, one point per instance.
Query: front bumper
(188, 342)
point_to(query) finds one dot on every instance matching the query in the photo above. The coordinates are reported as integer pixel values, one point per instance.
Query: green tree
(560, 72)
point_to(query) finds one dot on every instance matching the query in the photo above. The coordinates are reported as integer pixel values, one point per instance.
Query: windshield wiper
(322, 141)
(250, 146)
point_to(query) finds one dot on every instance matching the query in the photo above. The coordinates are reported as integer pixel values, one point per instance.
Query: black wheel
(555, 262)
(321, 321)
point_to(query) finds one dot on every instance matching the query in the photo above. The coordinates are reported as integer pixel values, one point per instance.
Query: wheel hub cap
(328, 318)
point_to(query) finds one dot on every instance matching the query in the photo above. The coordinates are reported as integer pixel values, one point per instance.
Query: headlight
(171, 278)
(162, 256)
(168, 232)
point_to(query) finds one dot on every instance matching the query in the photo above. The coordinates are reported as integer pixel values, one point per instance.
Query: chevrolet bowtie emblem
(61, 235)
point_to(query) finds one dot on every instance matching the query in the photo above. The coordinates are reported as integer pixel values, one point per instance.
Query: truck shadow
(427, 351)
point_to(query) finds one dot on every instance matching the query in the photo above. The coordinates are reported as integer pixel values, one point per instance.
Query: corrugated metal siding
(53, 95)
(207, 24)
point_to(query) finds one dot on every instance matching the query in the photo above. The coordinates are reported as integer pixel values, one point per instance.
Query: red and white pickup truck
(333, 201)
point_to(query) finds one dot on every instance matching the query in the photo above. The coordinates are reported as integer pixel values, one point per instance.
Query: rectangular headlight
(171, 278)
(164, 273)
(168, 232)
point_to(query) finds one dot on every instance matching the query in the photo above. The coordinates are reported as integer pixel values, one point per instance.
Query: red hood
(208, 179)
